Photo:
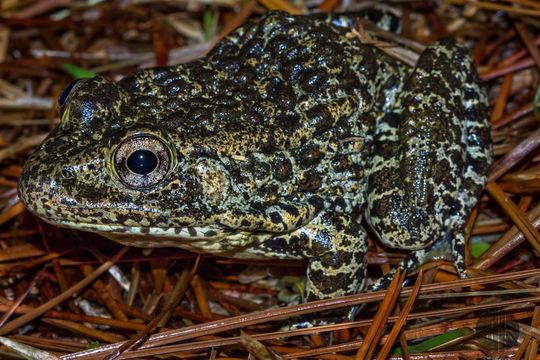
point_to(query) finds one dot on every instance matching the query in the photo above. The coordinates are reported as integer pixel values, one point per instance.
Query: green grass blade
(535, 101)
(76, 71)
(436, 341)
(208, 21)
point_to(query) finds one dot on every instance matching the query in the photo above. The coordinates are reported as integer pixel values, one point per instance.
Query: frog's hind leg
(420, 173)
(450, 246)
(432, 152)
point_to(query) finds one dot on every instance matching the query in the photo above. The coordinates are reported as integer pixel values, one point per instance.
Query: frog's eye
(141, 161)
(65, 94)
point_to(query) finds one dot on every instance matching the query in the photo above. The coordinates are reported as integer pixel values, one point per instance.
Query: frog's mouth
(201, 239)
(206, 232)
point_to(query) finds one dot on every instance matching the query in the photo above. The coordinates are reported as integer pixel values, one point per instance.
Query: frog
(290, 139)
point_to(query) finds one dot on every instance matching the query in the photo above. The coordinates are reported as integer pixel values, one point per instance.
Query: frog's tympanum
(281, 143)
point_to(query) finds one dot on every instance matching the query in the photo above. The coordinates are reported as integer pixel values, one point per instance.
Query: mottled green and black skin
(276, 145)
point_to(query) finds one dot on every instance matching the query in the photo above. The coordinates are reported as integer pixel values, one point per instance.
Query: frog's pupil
(142, 162)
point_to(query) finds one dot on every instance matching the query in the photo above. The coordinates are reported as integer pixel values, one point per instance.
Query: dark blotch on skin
(270, 194)
(330, 283)
(292, 69)
(311, 155)
(260, 169)
(275, 245)
(349, 80)
(341, 162)
(288, 122)
(290, 209)
(313, 80)
(280, 45)
(340, 202)
(123, 218)
(145, 230)
(283, 95)
(276, 218)
(269, 143)
(310, 181)
(251, 49)
(282, 168)
(320, 118)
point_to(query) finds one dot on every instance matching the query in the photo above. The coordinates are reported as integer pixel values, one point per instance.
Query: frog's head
(114, 166)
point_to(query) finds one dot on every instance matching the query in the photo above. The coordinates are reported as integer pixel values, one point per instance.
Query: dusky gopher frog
(281, 143)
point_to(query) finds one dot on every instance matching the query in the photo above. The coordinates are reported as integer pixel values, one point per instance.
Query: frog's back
(284, 80)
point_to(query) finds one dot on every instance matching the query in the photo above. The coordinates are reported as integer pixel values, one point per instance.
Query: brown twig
(20, 321)
(375, 331)
(398, 325)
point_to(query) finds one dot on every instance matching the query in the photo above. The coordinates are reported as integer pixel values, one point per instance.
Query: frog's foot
(312, 320)
(450, 246)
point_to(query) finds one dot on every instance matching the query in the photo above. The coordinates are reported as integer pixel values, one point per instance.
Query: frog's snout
(34, 189)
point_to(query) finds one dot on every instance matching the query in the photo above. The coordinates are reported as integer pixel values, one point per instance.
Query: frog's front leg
(432, 151)
(335, 245)
(337, 248)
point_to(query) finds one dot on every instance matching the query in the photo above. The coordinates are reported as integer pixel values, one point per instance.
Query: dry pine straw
(41, 267)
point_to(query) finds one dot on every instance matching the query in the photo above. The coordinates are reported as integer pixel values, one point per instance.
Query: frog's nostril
(67, 173)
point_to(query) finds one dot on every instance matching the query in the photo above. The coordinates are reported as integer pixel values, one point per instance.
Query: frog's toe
(312, 320)
(450, 246)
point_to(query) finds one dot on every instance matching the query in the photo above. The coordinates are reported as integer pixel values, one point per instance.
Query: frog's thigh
(335, 245)
(415, 181)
